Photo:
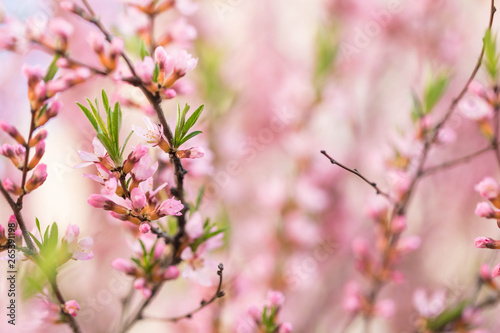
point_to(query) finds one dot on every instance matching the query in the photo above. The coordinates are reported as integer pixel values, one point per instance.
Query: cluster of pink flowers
(489, 189)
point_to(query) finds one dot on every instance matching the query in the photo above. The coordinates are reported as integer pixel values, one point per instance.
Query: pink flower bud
(13, 132)
(255, 313)
(68, 6)
(485, 242)
(495, 272)
(193, 152)
(38, 137)
(285, 328)
(275, 298)
(485, 272)
(39, 151)
(477, 89)
(488, 188)
(171, 273)
(33, 73)
(97, 201)
(71, 307)
(483, 209)
(360, 247)
(145, 69)
(61, 28)
(409, 244)
(144, 227)
(11, 187)
(97, 41)
(184, 62)
(160, 56)
(385, 308)
(398, 224)
(116, 47)
(123, 265)
(168, 93)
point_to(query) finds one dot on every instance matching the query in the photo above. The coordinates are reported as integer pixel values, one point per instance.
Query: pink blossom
(409, 244)
(399, 224)
(186, 7)
(145, 69)
(488, 188)
(352, 299)
(199, 268)
(475, 108)
(170, 207)
(153, 134)
(144, 169)
(116, 47)
(95, 157)
(71, 307)
(429, 307)
(123, 265)
(97, 41)
(385, 308)
(360, 247)
(184, 62)
(13, 132)
(79, 250)
(194, 226)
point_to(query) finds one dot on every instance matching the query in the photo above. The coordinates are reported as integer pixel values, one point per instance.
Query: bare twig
(218, 294)
(455, 162)
(357, 173)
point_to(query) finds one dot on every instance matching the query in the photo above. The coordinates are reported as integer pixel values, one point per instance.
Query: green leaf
(447, 316)
(143, 247)
(90, 117)
(97, 116)
(117, 123)
(192, 120)
(144, 50)
(37, 242)
(51, 72)
(199, 197)
(42, 111)
(46, 236)
(490, 54)
(189, 136)
(38, 226)
(138, 263)
(434, 91)
(53, 237)
(34, 284)
(109, 147)
(126, 141)
(105, 100)
(156, 72)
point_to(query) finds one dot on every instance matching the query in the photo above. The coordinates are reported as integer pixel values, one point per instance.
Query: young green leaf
(434, 91)
(490, 54)
(144, 50)
(192, 120)
(38, 226)
(189, 136)
(51, 72)
(90, 117)
(102, 127)
(125, 143)
(37, 242)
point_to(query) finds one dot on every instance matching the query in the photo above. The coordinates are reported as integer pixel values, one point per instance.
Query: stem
(455, 162)
(357, 173)
(218, 294)
(71, 320)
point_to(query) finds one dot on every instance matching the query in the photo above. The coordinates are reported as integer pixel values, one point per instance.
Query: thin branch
(357, 173)
(455, 162)
(218, 294)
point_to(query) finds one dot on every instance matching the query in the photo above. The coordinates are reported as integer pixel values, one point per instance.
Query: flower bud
(13, 132)
(37, 178)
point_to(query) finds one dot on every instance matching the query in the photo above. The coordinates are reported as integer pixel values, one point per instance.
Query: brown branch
(455, 162)
(218, 294)
(357, 173)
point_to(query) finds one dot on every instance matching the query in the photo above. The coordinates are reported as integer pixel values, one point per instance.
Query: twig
(451, 163)
(218, 294)
(357, 173)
